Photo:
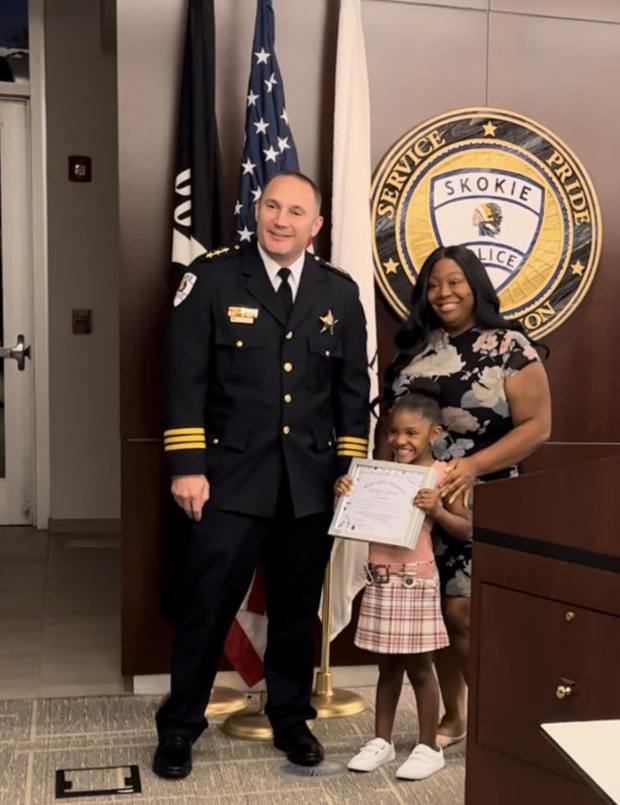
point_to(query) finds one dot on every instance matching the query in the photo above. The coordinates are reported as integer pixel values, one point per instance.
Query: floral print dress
(471, 370)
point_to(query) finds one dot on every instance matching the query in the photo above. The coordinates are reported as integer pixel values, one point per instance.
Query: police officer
(267, 402)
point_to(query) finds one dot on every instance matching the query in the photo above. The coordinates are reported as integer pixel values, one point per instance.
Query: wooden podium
(545, 628)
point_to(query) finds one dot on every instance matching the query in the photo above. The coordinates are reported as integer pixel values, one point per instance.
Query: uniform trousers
(223, 551)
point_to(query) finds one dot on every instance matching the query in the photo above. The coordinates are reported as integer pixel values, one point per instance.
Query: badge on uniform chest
(242, 315)
(329, 322)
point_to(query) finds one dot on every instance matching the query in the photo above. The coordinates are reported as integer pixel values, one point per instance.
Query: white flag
(351, 247)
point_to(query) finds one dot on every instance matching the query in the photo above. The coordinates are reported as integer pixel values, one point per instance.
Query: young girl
(400, 617)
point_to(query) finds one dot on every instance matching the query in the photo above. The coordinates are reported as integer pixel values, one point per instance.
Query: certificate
(380, 507)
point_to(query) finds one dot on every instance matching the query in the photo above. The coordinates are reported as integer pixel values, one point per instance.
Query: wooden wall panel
(411, 68)
(601, 10)
(149, 50)
(146, 634)
(150, 36)
(572, 98)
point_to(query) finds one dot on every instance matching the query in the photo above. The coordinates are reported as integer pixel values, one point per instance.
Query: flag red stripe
(243, 656)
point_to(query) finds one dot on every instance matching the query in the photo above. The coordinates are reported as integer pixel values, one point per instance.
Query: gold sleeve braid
(184, 439)
(352, 447)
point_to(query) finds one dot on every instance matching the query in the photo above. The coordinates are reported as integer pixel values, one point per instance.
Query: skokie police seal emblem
(505, 187)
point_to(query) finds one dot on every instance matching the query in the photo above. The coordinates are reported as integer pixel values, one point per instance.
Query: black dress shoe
(173, 757)
(299, 743)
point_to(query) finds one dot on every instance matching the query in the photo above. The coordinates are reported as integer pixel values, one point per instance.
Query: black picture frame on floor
(65, 790)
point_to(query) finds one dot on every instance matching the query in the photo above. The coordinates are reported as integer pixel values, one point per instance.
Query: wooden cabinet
(539, 663)
(546, 631)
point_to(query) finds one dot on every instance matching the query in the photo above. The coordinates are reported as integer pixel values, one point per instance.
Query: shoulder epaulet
(219, 252)
(321, 261)
(213, 254)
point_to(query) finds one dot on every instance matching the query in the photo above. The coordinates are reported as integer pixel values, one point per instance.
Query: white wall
(83, 265)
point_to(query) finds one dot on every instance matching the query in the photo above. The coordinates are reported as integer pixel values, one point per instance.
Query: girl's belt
(408, 571)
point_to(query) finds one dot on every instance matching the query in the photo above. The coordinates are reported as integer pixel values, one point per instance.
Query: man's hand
(191, 492)
(429, 500)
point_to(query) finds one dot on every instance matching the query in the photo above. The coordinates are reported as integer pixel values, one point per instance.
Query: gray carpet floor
(40, 736)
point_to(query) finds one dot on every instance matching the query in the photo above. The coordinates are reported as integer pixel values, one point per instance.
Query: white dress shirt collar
(272, 268)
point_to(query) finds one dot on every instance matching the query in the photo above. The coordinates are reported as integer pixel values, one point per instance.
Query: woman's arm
(382, 448)
(529, 399)
(455, 519)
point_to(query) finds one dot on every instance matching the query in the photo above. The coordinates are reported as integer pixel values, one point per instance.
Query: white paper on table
(593, 748)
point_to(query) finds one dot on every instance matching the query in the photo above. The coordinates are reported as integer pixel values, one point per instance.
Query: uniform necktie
(285, 292)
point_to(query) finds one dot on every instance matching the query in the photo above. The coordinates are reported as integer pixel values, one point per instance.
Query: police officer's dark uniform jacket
(260, 404)
(248, 390)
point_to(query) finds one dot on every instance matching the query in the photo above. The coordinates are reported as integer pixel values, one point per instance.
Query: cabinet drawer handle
(570, 616)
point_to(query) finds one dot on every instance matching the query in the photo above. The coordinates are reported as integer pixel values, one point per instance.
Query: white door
(16, 375)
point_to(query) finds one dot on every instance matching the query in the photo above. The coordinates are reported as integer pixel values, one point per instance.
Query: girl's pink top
(380, 554)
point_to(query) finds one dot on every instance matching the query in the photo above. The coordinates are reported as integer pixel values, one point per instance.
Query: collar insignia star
(329, 322)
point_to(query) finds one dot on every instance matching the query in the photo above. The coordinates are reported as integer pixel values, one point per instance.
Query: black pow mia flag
(197, 228)
(197, 185)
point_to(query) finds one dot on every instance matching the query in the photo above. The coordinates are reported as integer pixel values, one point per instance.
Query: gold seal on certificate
(380, 507)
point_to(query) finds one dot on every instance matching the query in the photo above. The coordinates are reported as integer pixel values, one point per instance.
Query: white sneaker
(421, 763)
(374, 754)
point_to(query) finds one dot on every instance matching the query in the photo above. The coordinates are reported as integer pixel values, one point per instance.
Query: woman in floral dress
(496, 411)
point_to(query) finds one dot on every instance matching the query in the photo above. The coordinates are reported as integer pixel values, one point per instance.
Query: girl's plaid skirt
(401, 615)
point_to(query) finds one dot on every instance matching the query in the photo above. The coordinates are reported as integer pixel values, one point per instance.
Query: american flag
(269, 147)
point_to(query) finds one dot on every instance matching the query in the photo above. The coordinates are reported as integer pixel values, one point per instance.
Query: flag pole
(328, 702)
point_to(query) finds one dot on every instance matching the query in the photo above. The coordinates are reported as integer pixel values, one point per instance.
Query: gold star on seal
(578, 268)
(329, 322)
(489, 129)
(391, 266)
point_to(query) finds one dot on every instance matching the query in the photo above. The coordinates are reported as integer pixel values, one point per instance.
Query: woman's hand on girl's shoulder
(343, 486)
(461, 474)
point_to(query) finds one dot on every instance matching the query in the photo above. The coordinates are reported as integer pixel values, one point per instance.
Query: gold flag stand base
(248, 724)
(327, 702)
(330, 703)
(253, 725)
(224, 701)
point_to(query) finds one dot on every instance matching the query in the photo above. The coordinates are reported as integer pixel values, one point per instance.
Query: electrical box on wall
(82, 321)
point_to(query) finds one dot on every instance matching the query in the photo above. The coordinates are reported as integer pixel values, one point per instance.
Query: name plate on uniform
(242, 315)
(380, 507)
